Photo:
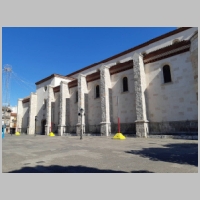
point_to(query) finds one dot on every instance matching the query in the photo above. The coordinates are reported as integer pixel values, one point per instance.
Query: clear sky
(35, 53)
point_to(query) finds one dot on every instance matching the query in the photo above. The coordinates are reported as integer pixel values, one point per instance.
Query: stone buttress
(32, 113)
(19, 114)
(64, 95)
(82, 90)
(105, 84)
(140, 87)
(50, 99)
(194, 58)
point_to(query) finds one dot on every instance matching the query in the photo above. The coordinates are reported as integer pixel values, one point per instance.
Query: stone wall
(82, 90)
(50, 99)
(188, 127)
(25, 115)
(94, 104)
(57, 114)
(175, 100)
(32, 114)
(140, 99)
(105, 84)
(73, 107)
(19, 114)
(64, 95)
(126, 106)
(194, 59)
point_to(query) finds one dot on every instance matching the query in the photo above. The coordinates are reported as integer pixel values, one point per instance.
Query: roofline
(56, 89)
(168, 51)
(134, 48)
(25, 100)
(194, 35)
(52, 76)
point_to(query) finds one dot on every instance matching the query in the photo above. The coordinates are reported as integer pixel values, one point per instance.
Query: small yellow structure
(17, 133)
(119, 136)
(51, 134)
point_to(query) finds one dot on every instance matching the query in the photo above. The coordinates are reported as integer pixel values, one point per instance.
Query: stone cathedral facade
(152, 88)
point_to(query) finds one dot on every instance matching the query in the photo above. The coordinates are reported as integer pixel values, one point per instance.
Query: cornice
(26, 100)
(134, 48)
(73, 83)
(93, 77)
(167, 51)
(52, 76)
(56, 89)
(121, 67)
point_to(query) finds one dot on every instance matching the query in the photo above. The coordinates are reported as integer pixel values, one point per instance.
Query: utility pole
(7, 70)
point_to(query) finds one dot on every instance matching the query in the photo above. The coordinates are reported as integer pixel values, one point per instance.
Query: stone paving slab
(98, 154)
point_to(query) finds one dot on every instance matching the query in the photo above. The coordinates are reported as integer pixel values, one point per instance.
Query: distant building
(9, 118)
(156, 84)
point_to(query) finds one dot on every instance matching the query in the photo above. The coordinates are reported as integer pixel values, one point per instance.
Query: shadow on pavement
(185, 153)
(68, 169)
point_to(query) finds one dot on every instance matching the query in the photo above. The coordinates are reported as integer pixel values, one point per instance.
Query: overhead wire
(30, 85)
(21, 83)
(8, 77)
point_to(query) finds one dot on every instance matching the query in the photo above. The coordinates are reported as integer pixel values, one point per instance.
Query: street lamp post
(81, 114)
(35, 124)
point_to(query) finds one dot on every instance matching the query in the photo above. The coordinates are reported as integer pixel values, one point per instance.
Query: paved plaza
(97, 154)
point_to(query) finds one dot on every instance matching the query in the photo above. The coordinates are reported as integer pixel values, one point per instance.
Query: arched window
(45, 88)
(45, 104)
(125, 84)
(97, 93)
(167, 74)
(76, 100)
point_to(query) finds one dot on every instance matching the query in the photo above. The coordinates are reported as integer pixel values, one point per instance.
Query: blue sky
(35, 52)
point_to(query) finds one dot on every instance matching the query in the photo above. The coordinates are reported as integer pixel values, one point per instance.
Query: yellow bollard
(119, 136)
(51, 134)
(17, 133)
